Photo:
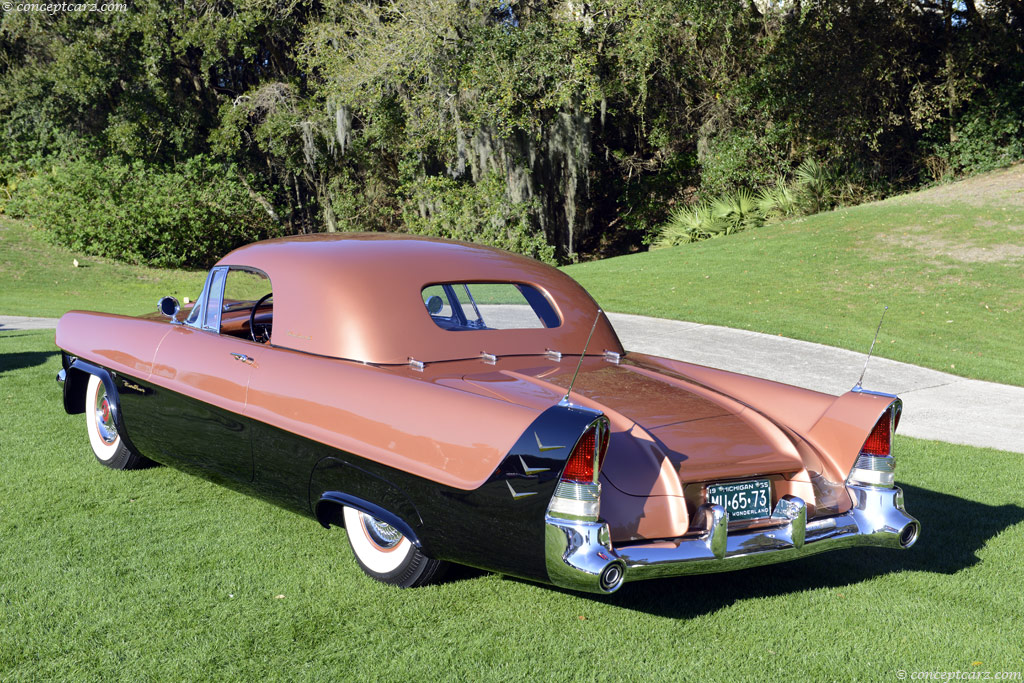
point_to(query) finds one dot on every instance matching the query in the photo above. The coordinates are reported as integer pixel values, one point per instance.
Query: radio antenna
(857, 386)
(565, 399)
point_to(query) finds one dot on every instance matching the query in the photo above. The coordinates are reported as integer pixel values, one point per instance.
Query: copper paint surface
(114, 341)
(390, 415)
(704, 435)
(357, 296)
(199, 365)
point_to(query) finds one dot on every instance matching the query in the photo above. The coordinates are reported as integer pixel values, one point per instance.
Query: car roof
(358, 296)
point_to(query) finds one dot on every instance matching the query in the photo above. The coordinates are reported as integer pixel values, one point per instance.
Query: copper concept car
(452, 403)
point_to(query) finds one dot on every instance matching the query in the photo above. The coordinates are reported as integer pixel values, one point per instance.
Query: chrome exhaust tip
(909, 534)
(612, 576)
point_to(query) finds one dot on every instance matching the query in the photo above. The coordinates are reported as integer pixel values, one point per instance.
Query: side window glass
(458, 306)
(197, 309)
(244, 290)
(214, 300)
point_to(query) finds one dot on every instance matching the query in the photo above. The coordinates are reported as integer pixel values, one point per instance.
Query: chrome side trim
(517, 495)
(578, 553)
(542, 448)
(534, 470)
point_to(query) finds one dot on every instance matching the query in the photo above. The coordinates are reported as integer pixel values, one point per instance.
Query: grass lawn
(40, 279)
(949, 262)
(156, 575)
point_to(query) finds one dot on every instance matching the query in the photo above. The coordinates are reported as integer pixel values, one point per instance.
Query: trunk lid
(658, 422)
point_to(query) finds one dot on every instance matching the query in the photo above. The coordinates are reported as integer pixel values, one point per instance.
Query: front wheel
(107, 445)
(386, 555)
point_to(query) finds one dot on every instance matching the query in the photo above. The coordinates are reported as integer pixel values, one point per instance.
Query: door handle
(248, 360)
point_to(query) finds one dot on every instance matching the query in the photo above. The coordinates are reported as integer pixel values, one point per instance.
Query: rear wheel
(106, 443)
(386, 555)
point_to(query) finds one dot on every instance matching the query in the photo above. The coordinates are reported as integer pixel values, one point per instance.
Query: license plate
(743, 499)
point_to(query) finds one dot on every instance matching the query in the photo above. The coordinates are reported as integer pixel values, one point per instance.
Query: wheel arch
(329, 511)
(336, 484)
(75, 378)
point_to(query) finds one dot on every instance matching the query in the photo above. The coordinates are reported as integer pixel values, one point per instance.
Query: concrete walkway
(17, 322)
(936, 406)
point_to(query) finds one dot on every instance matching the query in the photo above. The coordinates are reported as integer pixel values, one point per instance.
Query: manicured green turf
(156, 575)
(949, 262)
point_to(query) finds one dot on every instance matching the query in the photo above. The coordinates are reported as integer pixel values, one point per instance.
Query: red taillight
(880, 440)
(580, 466)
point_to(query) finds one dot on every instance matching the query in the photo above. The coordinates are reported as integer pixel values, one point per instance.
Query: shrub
(188, 216)
(689, 224)
(738, 211)
(728, 214)
(780, 201)
(988, 137)
(815, 186)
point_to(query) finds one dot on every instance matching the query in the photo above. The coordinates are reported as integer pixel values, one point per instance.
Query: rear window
(459, 306)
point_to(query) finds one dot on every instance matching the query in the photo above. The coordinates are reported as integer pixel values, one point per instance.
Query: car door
(202, 379)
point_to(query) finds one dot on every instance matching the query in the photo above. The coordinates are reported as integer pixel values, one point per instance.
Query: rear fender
(842, 430)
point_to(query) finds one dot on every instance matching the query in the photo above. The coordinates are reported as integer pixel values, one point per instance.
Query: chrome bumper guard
(580, 555)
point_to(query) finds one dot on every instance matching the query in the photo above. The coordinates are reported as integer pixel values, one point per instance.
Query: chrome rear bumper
(580, 555)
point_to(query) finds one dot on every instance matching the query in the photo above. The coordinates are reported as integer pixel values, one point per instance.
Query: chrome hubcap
(381, 533)
(104, 418)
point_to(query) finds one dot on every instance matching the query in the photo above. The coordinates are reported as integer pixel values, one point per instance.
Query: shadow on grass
(953, 531)
(24, 359)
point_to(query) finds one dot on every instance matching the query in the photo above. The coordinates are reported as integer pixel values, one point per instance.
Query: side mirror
(434, 304)
(169, 306)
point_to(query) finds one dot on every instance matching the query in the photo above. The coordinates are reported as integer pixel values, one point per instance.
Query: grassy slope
(156, 575)
(949, 262)
(39, 279)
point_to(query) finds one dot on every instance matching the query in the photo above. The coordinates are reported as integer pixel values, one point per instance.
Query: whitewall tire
(385, 554)
(107, 445)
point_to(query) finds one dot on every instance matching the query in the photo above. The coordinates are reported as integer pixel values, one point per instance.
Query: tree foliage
(558, 128)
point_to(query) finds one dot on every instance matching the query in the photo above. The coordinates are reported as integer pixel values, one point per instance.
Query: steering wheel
(262, 336)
